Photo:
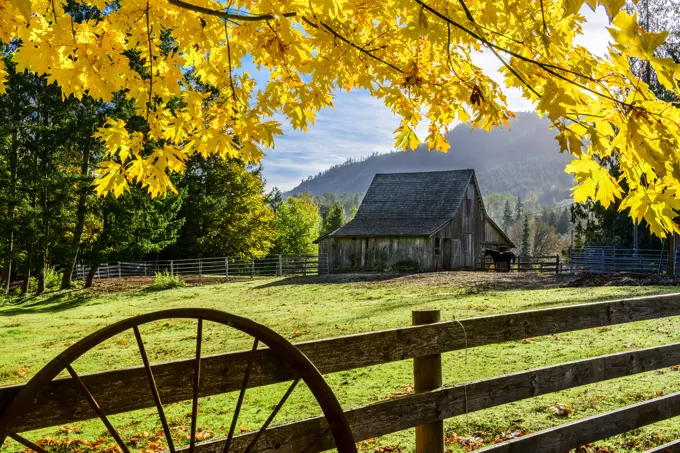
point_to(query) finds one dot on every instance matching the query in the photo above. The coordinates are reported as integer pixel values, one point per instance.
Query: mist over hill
(522, 161)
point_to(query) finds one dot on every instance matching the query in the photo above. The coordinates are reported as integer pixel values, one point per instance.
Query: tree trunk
(80, 219)
(13, 162)
(91, 274)
(42, 276)
(27, 275)
(44, 252)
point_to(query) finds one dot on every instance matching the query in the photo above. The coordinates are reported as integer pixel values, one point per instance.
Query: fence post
(280, 266)
(172, 268)
(252, 267)
(427, 375)
(557, 263)
(226, 267)
(119, 272)
(200, 268)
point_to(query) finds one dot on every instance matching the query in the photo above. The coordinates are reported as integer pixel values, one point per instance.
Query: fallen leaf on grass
(561, 409)
(469, 443)
(408, 390)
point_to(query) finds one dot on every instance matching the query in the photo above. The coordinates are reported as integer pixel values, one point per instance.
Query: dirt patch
(623, 279)
(467, 282)
(475, 282)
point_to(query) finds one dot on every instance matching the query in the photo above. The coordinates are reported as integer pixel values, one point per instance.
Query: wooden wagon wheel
(281, 347)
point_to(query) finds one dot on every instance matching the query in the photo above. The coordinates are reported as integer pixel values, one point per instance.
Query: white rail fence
(270, 266)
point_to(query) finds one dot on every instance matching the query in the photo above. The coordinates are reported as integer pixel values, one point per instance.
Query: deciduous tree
(414, 55)
(297, 226)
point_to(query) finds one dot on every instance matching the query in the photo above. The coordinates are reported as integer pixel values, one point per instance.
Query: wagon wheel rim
(283, 349)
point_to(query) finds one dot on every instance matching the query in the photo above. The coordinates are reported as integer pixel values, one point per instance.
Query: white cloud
(361, 125)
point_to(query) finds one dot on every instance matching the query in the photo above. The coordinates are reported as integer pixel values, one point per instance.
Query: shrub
(52, 281)
(164, 280)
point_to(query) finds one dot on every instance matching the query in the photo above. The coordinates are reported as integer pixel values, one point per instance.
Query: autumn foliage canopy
(414, 55)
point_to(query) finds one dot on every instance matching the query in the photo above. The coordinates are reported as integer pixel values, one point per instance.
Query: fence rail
(549, 263)
(60, 403)
(605, 260)
(275, 265)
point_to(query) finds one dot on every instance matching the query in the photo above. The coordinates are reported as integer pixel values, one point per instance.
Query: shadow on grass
(331, 279)
(46, 303)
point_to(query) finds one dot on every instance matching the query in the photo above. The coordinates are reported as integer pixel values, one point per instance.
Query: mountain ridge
(521, 161)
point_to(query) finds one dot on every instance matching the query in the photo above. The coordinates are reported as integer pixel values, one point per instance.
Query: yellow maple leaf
(24, 7)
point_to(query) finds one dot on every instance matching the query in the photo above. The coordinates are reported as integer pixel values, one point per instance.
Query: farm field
(34, 330)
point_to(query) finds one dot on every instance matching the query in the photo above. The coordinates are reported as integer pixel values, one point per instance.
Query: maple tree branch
(448, 52)
(54, 13)
(547, 68)
(295, 82)
(148, 36)
(342, 38)
(73, 32)
(514, 72)
(231, 79)
(545, 27)
(223, 15)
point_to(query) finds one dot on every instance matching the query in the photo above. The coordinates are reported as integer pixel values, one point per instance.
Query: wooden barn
(429, 221)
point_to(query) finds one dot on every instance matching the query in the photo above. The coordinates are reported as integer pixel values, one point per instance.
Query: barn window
(437, 246)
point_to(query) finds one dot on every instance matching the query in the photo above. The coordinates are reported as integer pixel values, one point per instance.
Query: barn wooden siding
(469, 226)
(493, 239)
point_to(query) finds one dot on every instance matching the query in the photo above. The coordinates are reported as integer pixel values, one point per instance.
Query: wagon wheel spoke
(273, 414)
(27, 443)
(154, 389)
(241, 394)
(197, 380)
(96, 408)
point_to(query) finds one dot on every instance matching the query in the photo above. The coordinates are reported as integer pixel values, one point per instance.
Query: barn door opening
(448, 254)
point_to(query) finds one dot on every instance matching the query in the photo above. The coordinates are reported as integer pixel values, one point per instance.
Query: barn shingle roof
(408, 204)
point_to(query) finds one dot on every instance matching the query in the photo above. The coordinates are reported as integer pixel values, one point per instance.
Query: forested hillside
(521, 161)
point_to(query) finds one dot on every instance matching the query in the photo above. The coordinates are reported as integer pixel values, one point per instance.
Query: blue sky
(360, 125)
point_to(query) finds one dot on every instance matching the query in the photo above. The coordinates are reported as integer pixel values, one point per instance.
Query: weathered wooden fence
(550, 263)
(274, 265)
(118, 391)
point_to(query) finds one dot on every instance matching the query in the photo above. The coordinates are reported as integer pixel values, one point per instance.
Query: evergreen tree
(225, 210)
(507, 216)
(297, 226)
(274, 199)
(525, 246)
(518, 209)
(133, 226)
(332, 218)
(563, 223)
(39, 159)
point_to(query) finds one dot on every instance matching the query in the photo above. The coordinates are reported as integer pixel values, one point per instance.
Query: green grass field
(34, 330)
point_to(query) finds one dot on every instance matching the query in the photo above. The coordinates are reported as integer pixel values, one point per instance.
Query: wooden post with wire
(427, 375)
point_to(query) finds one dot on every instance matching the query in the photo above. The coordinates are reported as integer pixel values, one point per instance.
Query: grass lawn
(34, 330)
